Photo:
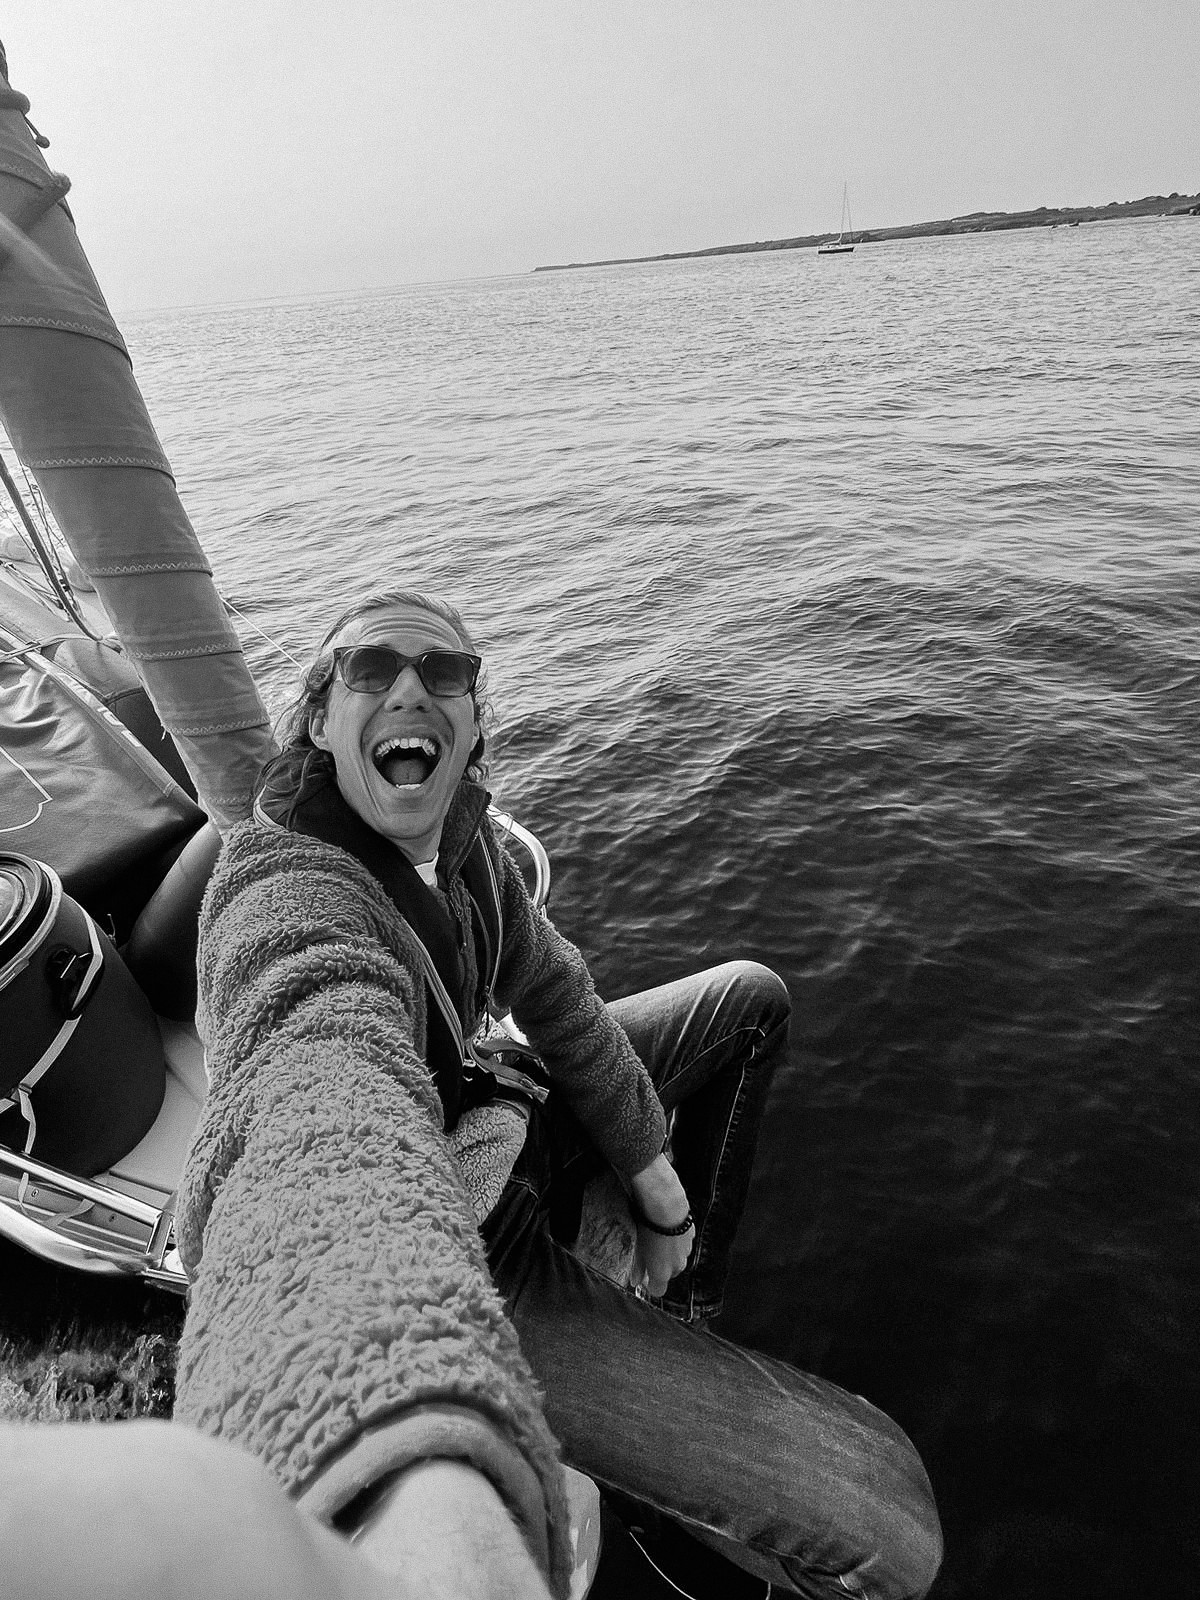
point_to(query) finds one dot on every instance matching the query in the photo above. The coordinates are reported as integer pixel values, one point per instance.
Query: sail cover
(76, 418)
(78, 790)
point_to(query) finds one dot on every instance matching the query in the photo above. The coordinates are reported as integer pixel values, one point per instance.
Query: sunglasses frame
(403, 661)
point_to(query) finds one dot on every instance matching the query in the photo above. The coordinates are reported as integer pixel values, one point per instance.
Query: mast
(77, 420)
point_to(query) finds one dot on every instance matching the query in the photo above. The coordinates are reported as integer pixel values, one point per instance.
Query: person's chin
(407, 814)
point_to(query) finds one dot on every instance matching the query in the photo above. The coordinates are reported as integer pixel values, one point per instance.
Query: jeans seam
(702, 1236)
(731, 1124)
(717, 1044)
(785, 1558)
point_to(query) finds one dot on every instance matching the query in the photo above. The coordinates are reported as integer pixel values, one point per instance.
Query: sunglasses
(372, 668)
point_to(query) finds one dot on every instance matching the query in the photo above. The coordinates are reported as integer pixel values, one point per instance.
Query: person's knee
(918, 1564)
(899, 1560)
(765, 989)
(928, 1553)
(911, 1536)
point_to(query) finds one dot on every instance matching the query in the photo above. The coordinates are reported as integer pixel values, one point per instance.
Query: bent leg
(711, 1043)
(789, 1476)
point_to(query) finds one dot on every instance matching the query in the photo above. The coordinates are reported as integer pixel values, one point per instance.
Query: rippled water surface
(844, 613)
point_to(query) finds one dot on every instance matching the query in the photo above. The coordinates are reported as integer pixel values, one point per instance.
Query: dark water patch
(962, 1206)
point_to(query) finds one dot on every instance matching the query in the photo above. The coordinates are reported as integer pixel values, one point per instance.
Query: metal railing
(86, 1224)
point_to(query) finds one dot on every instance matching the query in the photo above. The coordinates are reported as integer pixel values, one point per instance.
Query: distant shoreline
(1154, 205)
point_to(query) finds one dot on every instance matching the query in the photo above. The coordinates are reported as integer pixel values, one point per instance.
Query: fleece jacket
(343, 1324)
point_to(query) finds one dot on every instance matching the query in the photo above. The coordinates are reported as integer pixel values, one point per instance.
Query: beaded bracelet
(680, 1228)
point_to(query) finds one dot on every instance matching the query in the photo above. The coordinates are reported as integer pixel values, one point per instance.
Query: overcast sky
(235, 149)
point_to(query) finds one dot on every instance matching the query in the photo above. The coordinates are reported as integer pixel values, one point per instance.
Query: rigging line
(47, 562)
(31, 484)
(49, 529)
(34, 580)
(769, 1591)
(39, 503)
(254, 628)
(35, 494)
(46, 557)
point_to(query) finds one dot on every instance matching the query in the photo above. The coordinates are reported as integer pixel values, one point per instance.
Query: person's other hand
(659, 1197)
(657, 1260)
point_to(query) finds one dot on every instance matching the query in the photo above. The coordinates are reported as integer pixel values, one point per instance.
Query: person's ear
(316, 728)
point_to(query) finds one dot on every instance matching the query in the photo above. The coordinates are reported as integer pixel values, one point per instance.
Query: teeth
(426, 746)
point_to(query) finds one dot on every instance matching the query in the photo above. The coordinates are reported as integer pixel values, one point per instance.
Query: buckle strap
(19, 1094)
(498, 1057)
(494, 1056)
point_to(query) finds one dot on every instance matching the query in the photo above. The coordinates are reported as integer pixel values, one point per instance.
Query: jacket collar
(320, 810)
(462, 823)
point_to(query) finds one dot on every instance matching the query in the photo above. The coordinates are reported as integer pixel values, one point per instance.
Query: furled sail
(76, 418)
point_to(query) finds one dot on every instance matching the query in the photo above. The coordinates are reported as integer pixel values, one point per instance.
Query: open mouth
(406, 762)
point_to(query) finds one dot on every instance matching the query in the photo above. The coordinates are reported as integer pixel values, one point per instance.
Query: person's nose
(407, 691)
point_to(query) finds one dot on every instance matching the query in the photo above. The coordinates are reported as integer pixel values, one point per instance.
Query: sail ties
(47, 188)
(17, 221)
(13, 100)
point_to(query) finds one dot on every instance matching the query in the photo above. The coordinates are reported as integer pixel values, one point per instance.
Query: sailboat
(843, 245)
(130, 734)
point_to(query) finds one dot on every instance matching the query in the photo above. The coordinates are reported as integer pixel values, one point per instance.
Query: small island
(1154, 205)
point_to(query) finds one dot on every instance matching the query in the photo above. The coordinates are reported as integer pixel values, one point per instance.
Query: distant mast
(840, 246)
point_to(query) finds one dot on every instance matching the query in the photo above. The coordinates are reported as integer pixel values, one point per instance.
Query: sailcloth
(77, 420)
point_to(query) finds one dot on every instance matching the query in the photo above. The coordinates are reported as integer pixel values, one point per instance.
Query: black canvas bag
(82, 1071)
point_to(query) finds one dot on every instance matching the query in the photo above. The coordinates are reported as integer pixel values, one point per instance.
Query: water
(844, 613)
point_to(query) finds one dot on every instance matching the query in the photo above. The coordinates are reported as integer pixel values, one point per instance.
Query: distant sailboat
(843, 245)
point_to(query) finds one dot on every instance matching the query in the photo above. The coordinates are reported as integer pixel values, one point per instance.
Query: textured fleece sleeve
(544, 980)
(342, 1322)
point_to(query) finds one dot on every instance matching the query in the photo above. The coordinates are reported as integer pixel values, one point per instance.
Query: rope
(13, 100)
(33, 488)
(687, 1595)
(264, 636)
(47, 559)
(25, 215)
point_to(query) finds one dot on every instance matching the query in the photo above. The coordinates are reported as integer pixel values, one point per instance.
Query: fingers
(658, 1259)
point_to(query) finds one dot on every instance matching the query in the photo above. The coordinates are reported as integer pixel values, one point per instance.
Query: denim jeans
(785, 1474)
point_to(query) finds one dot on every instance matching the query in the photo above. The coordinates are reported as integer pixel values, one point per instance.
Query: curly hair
(301, 766)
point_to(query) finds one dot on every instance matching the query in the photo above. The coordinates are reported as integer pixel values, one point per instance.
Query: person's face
(403, 792)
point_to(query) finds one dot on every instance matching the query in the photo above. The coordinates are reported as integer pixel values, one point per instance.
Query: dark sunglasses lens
(370, 669)
(448, 672)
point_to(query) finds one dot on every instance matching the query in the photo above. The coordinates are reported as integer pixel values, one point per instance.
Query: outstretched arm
(155, 1508)
(343, 1326)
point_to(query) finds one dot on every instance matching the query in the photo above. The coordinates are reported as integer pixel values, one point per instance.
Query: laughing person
(380, 1229)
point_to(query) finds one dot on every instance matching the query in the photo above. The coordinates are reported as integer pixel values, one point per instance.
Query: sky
(225, 150)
